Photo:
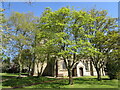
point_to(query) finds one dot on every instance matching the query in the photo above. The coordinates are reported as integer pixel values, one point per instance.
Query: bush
(112, 70)
(10, 69)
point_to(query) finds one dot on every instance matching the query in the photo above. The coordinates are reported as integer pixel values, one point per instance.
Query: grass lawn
(4, 76)
(23, 81)
(10, 74)
(7, 75)
(81, 82)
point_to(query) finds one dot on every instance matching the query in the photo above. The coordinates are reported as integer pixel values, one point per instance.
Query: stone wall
(49, 69)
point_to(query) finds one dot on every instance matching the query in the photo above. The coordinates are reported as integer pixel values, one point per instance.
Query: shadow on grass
(7, 77)
(54, 84)
(24, 81)
(94, 81)
(34, 82)
(77, 82)
(101, 78)
(11, 75)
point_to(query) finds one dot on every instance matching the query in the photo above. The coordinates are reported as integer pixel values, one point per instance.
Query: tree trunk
(70, 77)
(20, 65)
(41, 69)
(91, 68)
(29, 70)
(20, 69)
(98, 74)
(56, 68)
(102, 71)
(33, 65)
(33, 69)
(29, 67)
(38, 72)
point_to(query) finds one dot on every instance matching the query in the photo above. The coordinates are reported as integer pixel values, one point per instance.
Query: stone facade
(83, 68)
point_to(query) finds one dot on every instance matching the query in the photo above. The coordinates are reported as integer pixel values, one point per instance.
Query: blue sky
(38, 7)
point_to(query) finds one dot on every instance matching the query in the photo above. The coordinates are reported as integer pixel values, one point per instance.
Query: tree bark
(41, 69)
(34, 56)
(56, 68)
(29, 70)
(20, 65)
(91, 68)
(20, 69)
(70, 77)
(98, 74)
(29, 67)
(38, 73)
(33, 65)
(97, 69)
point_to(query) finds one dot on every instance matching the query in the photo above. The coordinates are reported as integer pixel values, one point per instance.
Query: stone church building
(83, 68)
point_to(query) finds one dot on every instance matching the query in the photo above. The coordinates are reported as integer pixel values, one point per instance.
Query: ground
(11, 81)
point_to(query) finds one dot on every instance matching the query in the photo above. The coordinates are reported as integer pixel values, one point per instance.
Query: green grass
(8, 74)
(5, 76)
(81, 82)
(23, 81)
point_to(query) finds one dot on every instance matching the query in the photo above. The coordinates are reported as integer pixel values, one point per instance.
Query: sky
(38, 7)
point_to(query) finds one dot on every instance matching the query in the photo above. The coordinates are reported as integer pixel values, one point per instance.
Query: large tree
(21, 29)
(5, 57)
(113, 57)
(100, 28)
(67, 34)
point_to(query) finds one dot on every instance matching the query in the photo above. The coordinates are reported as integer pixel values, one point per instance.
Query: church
(58, 69)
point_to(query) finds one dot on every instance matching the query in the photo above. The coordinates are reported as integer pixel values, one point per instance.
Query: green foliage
(19, 36)
(112, 65)
(80, 34)
(103, 35)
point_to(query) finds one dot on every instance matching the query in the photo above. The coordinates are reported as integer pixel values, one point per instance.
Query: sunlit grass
(23, 81)
(79, 82)
(8, 74)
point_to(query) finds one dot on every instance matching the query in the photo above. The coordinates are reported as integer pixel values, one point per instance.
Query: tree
(41, 53)
(5, 59)
(100, 28)
(68, 35)
(44, 50)
(21, 35)
(112, 65)
(26, 59)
